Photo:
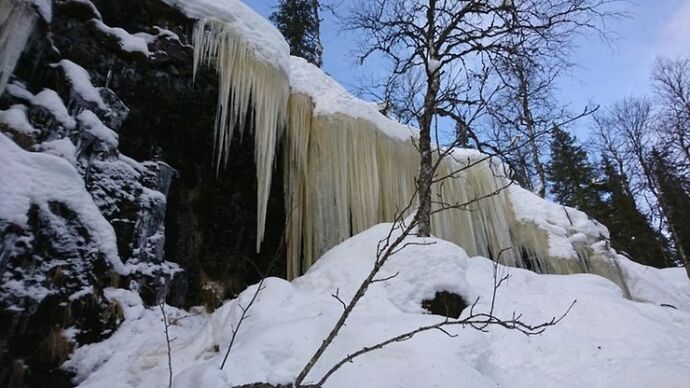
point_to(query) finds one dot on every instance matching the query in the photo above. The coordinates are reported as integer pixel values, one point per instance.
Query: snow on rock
(128, 42)
(15, 118)
(253, 31)
(18, 90)
(50, 100)
(605, 340)
(31, 178)
(93, 125)
(564, 225)
(648, 284)
(140, 342)
(329, 97)
(63, 148)
(80, 80)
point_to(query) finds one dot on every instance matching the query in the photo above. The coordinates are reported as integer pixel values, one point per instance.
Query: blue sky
(605, 72)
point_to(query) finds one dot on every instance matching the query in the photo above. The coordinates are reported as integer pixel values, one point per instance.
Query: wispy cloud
(674, 37)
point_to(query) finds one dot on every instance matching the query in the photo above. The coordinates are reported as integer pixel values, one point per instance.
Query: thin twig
(167, 343)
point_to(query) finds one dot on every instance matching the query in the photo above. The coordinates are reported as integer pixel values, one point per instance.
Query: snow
(140, 341)
(165, 33)
(564, 225)
(649, 284)
(32, 178)
(81, 83)
(15, 118)
(63, 148)
(81, 293)
(434, 64)
(20, 290)
(128, 42)
(329, 97)
(50, 100)
(18, 90)
(255, 32)
(92, 124)
(605, 340)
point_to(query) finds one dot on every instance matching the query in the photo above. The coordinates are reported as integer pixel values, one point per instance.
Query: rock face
(138, 131)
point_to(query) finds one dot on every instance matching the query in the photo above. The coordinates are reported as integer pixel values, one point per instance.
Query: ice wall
(348, 167)
(17, 21)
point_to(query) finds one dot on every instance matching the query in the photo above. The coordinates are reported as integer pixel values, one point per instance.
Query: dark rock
(164, 199)
(447, 304)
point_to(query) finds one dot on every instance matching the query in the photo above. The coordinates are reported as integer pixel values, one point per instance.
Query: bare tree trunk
(528, 120)
(425, 165)
(675, 236)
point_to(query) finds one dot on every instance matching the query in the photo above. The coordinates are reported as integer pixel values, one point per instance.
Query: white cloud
(674, 37)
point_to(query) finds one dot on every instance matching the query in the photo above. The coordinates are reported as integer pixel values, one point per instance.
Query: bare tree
(672, 86)
(526, 105)
(444, 39)
(628, 135)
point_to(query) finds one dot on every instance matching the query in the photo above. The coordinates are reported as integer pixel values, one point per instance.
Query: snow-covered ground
(605, 340)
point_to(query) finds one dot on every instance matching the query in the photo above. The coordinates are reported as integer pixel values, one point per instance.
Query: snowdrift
(605, 340)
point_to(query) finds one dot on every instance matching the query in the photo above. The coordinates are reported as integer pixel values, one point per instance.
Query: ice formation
(250, 57)
(348, 167)
(17, 20)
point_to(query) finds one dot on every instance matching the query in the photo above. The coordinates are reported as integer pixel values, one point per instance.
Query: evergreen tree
(629, 228)
(298, 21)
(573, 179)
(674, 200)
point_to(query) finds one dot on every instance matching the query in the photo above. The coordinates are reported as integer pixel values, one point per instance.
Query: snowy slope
(606, 340)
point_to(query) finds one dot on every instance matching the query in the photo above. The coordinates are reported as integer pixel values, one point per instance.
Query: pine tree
(629, 228)
(674, 199)
(573, 179)
(298, 21)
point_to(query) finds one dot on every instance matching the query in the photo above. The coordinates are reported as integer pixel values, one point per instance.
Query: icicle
(535, 242)
(344, 175)
(295, 154)
(247, 85)
(17, 20)
(481, 227)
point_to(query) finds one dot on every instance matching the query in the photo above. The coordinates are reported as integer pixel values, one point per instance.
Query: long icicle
(246, 86)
